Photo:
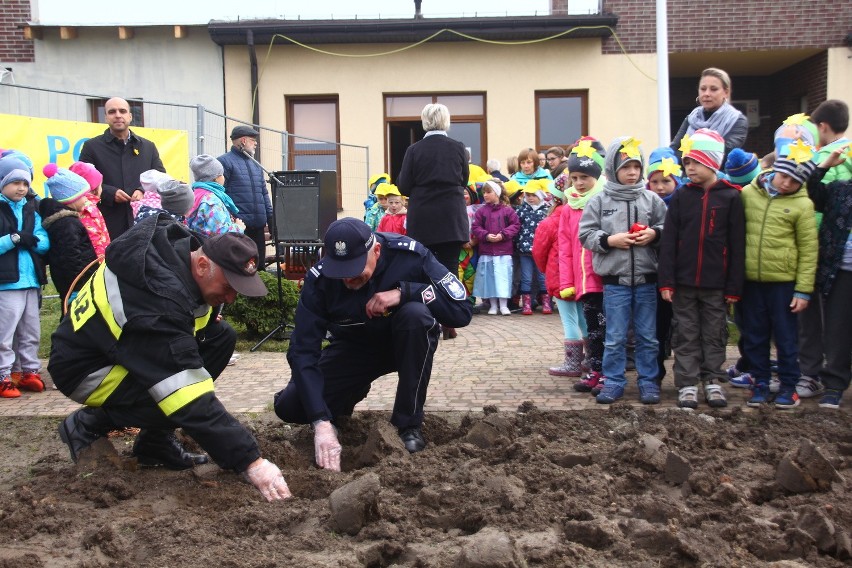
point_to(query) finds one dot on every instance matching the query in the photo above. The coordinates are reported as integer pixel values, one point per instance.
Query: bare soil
(624, 487)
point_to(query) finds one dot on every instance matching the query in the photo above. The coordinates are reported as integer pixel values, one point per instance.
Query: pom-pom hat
(64, 185)
(742, 166)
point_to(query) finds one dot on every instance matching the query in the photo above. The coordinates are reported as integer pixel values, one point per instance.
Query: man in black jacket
(140, 347)
(121, 156)
(381, 296)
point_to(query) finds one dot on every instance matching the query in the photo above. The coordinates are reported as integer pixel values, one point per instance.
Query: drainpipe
(663, 120)
(255, 93)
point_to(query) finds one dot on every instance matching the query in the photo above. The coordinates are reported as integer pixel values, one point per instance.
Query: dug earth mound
(623, 487)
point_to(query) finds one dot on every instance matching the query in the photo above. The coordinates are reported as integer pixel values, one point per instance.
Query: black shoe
(412, 437)
(82, 428)
(161, 448)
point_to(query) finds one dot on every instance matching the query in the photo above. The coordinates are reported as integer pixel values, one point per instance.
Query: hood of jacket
(612, 187)
(52, 211)
(154, 255)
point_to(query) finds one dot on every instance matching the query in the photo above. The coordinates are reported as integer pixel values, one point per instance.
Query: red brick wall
(13, 47)
(763, 25)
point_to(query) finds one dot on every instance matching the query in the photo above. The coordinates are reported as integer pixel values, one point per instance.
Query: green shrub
(261, 315)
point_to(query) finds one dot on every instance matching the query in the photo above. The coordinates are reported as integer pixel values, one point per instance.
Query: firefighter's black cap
(236, 255)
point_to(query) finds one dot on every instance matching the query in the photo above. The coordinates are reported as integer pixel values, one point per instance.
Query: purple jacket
(494, 219)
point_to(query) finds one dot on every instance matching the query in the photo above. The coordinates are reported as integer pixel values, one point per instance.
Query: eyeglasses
(553, 159)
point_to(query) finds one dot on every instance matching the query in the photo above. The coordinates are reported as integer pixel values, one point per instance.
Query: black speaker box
(305, 204)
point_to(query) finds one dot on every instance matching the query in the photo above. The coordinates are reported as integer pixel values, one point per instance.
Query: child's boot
(546, 306)
(29, 381)
(571, 365)
(7, 389)
(526, 304)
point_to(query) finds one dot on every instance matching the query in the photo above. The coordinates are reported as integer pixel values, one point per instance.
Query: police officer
(139, 348)
(382, 297)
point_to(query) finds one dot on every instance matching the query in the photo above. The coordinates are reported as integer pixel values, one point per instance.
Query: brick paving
(497, 360)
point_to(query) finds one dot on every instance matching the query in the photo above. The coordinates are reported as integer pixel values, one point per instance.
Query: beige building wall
(622, 101)
(839, 74)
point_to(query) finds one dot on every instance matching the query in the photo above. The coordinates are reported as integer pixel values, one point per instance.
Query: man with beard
(382, 296)
(245, 185)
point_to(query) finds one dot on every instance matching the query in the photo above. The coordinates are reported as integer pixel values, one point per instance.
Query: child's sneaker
(505, 311)
(774, 385)
(597, 389)
(7, 389)
(742, 381)
(610, 393)
(808, 386)
(649, 392)
(759, 395)
(687, 397)
(29, 382)
(733, 372)
(492, 311)
(787, 398)
(589, 382)
(715, 396)
(831, 398)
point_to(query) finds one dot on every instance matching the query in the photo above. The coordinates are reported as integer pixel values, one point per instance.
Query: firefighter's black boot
(162, 448)
(82, 428)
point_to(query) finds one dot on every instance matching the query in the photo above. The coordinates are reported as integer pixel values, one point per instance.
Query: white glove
(326, 447)
(267, 478)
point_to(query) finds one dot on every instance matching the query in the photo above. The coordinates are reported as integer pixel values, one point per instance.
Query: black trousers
(448, 255)
(136, 408)
(350, 365)
(258, 235)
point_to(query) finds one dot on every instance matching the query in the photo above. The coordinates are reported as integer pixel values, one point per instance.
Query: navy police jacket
(326, 305)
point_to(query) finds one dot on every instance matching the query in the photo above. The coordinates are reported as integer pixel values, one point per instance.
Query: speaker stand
(282, 323)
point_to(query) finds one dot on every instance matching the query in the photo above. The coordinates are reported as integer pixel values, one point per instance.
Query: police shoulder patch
(453, 287)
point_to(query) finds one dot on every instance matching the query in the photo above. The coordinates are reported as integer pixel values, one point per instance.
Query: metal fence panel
(208, 133)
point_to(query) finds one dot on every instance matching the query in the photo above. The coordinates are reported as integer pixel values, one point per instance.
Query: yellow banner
(59, 141)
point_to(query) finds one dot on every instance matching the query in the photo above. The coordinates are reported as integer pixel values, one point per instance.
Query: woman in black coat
(71, 249)
(434, 175)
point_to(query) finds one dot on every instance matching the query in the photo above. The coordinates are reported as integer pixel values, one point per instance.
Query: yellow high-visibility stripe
(184, 396)
(107, 387)
(102, 301)
(201, 321)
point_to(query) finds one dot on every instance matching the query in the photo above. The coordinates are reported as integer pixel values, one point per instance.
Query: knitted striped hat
(742, 167)
(799, 171)
(64, 185)
(705, 146)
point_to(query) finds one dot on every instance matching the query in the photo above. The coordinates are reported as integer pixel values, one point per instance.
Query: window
(403, 125)
(314, 135)
(561, 117)
(99, 114)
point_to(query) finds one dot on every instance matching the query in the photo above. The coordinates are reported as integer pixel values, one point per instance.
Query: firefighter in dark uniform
(139, 348)
(382, 297)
